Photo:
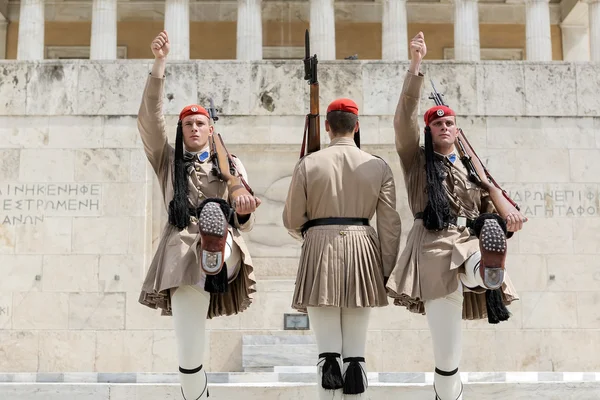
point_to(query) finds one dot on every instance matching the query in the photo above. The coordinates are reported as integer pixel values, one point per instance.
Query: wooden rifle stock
(223, 164)
(311, 141)
(502, 202)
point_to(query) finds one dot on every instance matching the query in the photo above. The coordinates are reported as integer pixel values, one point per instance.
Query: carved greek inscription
(29, 203)
(558, 203)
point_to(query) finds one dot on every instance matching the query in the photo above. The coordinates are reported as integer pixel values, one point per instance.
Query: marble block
(111, 88)
(13, 88)
(228, 83)
(269, 351)
(181, 87)
(381, 86)
(500, 89)
(24, 131)
(588, 86)
(457, 81)
(20, 349)
(52, 88)
(71, 132)
(278, 88)
(340, 79)
(96, 311)
(550, 90)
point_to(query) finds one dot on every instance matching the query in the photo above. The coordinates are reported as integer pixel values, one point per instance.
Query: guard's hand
(515, 221)
(246, 204)
(418, 48)
(160, 45)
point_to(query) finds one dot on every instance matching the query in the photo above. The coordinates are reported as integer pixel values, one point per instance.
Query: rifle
(223, 164)
(477, 170)
(312, 127)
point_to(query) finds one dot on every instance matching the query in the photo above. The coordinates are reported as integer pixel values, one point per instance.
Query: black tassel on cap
(331, 378)
(357, 138)
(179, 212)
(354, 377)
(217, 283)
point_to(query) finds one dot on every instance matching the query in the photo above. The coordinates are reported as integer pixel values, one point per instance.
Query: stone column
(30, 44)
(394, 35)
(575, 43)
(249, 30)
(594, 14)
(322, 29)
(177, 25)
(3, 29)
(466, 30)
(104, 30)
(539, 42)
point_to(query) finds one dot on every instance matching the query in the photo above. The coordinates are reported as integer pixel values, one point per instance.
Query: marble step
(282, 391)
(292, 375)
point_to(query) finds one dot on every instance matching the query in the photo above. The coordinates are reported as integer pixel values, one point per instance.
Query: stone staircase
(295, 383)
(294, 391)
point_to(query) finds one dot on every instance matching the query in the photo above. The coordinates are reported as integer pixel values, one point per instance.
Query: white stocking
(472, 278)
(190, 307)
(342, 331)
(444, 316)
(326, 323)
(355, 324)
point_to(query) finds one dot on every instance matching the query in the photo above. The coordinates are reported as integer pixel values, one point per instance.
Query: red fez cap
(437, 112)
(343, 105)
(192, 110)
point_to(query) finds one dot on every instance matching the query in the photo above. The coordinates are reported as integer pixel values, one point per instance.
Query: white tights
(343, 331)
(190, 307)
(444, 316)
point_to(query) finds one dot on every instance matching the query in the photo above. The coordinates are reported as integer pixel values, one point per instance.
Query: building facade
(468, 30)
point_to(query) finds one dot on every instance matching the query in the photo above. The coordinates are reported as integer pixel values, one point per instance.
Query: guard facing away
(452, 267)
(202, 268)
(333, 195)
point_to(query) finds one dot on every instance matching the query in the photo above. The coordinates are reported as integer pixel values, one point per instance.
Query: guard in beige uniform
(199, 206)
(333, 194)
(438, 271)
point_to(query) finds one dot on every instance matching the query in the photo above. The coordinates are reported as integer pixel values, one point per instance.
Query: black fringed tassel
(357, 138)
(354, 377)
(179, 212)
(496, 310)
(331, 378)
(217, 283)
(436, 214)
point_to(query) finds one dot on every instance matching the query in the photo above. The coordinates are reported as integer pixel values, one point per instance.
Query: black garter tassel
(496, 310)
(217, 283)
(332, 374)
(353, 378)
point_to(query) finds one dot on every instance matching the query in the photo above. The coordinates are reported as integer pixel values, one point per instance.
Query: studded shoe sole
(213, 235)
(492, 244)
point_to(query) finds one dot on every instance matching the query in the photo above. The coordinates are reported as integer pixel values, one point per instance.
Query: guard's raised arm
(406, 126)
(151, 122)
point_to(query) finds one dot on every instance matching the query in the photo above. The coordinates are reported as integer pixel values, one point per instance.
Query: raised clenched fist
(160, 45)
(418, 48)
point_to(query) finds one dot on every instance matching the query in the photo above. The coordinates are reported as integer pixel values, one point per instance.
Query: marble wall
(80, 215)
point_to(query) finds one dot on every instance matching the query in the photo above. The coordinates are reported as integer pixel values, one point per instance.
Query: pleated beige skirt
(340, 266)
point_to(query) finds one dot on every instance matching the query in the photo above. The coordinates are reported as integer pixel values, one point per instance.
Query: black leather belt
(454, 220)
(334, 221)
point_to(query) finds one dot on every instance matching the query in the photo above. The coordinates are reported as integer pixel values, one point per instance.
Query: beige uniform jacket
(344, 181)
(428, 265)
(176, 261)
